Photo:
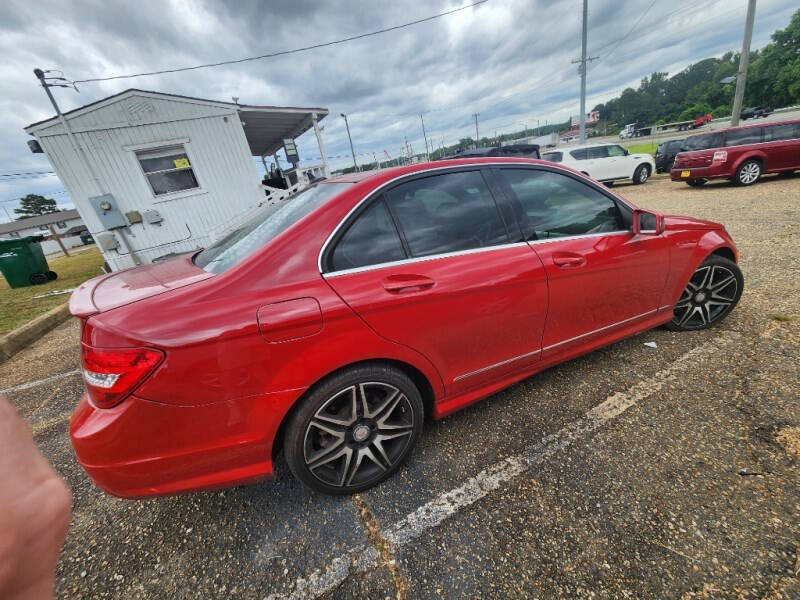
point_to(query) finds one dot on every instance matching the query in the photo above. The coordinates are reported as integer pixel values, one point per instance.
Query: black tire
(748, 172)
(52, 275)
(712, 292)
(697, 182)
(641, 174)
(38, 278)
(323, 441)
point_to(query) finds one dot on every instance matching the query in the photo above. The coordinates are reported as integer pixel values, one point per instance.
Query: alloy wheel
(644, 174)
(709, 293)
(358, 434)
(749, 173)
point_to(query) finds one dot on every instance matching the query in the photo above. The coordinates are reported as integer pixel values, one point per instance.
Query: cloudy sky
(508, 60)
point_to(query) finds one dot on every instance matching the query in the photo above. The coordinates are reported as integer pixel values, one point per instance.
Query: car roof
(392, 172)
(582, 146)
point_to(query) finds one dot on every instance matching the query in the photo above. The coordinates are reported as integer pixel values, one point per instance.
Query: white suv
(605, 162)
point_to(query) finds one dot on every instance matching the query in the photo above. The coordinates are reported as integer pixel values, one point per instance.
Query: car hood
(123, 287)
(674, 222)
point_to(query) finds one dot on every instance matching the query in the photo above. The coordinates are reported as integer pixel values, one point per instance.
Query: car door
(782, 146)
(600, 275)
(620, 164)
(429, 264)
(602, 165)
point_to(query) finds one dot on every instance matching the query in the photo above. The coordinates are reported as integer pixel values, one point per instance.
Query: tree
(33, 205)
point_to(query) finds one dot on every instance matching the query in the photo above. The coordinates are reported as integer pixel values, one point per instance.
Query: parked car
(337, 320)
(741, 154)
(754, 112)
(521, 150)
(605, 162)
(665, 154)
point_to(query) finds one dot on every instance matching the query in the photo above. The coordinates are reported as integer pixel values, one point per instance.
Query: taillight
(111, 374)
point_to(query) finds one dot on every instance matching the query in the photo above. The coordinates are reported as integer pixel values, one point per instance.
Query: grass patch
(18, 306)
(643, 148)
(782, 317)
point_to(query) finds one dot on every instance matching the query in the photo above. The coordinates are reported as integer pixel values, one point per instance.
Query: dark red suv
(741, 154)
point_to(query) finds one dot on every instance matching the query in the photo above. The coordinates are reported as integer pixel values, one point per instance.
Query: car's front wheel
(354, 430)
(712, 292)
(641, 174)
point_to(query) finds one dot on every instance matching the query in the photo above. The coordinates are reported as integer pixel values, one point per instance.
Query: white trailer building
(155, 174)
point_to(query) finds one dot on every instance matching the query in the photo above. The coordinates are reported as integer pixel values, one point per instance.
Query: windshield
(246, 239)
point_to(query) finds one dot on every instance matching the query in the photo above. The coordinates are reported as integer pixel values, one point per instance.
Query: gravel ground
(691, 489)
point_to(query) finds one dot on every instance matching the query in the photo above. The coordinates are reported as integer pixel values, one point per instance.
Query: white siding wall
(217, 149)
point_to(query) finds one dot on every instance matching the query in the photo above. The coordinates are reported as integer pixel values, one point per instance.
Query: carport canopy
(265, 127)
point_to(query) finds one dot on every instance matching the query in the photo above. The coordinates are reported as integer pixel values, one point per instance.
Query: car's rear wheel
(354, 430)
(748, 172)
(641, 174)
(697, 182)
(712, 292)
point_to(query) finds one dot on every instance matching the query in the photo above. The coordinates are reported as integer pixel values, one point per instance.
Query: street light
(353, 152)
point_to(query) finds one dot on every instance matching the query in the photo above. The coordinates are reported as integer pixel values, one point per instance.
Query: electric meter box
(106, 209)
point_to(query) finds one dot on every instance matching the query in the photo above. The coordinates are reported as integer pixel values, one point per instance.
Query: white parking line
(431, 514)
(30, 384)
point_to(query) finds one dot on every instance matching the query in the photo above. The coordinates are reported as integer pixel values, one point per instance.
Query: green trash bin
(22, 262)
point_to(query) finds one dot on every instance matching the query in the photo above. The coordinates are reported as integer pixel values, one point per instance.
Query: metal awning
(265, 127)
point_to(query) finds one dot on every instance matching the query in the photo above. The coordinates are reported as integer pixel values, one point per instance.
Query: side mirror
(625, 150)
(647, 222)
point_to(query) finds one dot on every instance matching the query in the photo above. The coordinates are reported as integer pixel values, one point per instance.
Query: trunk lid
(131, 285)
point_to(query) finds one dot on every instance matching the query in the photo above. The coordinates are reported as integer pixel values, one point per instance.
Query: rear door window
(579, 154)
(371, 239)
(597, 152)
(556, 205)
(447, 213)
(740, 137)
(776, 133)
(553, 156)
(703, 142)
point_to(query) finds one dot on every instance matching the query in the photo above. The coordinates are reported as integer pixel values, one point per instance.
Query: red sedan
(333, 323)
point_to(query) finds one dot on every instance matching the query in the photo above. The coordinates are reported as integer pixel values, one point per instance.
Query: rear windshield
(246, 239)
(703, 142)
(553, 156)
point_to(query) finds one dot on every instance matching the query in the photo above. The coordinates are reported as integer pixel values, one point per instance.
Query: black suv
(665, 154)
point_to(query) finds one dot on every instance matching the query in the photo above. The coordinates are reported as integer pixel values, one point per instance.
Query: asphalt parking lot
(631, 472)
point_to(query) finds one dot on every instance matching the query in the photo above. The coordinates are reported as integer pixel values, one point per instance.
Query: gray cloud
(508, 60)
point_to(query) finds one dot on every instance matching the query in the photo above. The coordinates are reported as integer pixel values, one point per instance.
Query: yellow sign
(683, 173)
(181, 163)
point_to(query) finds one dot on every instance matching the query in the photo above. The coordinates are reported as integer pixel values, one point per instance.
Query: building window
(167, 169)
(13, 234)
(44, 228)
(61, 224)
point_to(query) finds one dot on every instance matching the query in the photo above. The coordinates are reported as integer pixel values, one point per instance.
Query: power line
(285, 52)
(635, 25)
(26, 173)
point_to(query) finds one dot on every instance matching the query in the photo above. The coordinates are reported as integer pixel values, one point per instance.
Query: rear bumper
(712, 172)
(142, 448)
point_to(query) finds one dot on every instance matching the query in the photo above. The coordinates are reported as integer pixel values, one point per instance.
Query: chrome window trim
(417, 259)
(553, 167)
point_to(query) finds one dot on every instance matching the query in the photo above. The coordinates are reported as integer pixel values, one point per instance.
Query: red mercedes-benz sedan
(334, 322)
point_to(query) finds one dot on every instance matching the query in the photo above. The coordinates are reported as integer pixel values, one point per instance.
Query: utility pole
(375, 158)
(582, 70)
(353, 152)
(40, 75)
(744, 60)
(477, 136)
(425, 137)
